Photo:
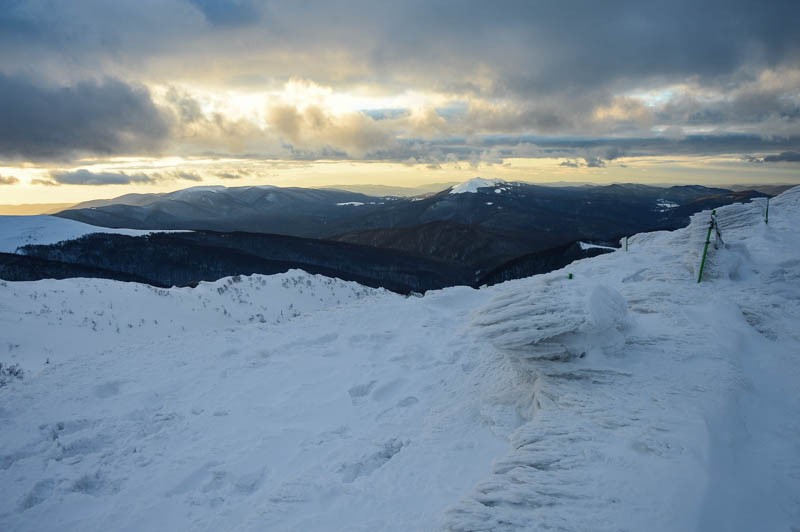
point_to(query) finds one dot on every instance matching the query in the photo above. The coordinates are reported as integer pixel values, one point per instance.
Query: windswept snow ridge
(628, 397)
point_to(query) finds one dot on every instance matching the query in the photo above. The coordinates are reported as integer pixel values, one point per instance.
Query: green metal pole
(705, 249)
(626, 243)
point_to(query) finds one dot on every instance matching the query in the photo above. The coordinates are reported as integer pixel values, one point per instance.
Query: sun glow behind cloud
(304, 93)
(253, 105)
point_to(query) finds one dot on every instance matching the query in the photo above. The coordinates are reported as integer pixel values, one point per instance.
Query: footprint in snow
(108, 389)
(360, 391)
(40, 492)
(210, 484)
(95, 484)
(408, 401)
(369, 464)
(387, 390)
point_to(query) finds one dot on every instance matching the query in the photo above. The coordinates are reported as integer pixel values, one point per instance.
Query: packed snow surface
(629, 397)
(476, 183)
(18, 231)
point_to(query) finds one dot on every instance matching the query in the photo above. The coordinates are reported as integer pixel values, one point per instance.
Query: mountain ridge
(484, 225)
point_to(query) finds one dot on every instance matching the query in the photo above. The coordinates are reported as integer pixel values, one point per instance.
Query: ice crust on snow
(628, 397)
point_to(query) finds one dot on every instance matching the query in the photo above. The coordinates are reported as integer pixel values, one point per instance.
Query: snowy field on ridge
(18, 231)
(626, 398)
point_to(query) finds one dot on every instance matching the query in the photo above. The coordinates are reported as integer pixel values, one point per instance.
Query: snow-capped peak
(474, 184)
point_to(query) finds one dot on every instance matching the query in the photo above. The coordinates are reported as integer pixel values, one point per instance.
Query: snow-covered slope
(95, 315)
(678, 410)
(18, 231)
(628, 397)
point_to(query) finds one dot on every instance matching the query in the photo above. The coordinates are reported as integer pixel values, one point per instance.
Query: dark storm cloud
(88, 177)
(783, 157)
(581, 152)
(526, 47)
(753, 105)
(107, 118)
(588, 162)
(188, 176)
(229, 175)
(787, 156)
(538, 47)
(613, 148)
(85, 177)
(590, 44)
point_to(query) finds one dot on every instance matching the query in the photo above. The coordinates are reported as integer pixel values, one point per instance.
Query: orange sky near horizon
(713, 171)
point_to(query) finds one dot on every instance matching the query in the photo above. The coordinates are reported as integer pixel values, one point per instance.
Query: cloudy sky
(100, 98)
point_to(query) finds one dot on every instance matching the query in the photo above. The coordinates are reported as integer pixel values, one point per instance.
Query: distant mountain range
(479, 224)
(478, 232)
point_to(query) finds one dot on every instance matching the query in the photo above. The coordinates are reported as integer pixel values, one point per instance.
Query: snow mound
(557, 320)
(472, 186)
(18, 231)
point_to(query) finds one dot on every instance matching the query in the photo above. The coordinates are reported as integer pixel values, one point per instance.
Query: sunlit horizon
(173, 174)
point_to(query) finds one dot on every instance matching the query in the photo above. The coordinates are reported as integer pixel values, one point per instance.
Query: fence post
(705, 248)
(626, 243)
(717, 231)
(766, 213)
